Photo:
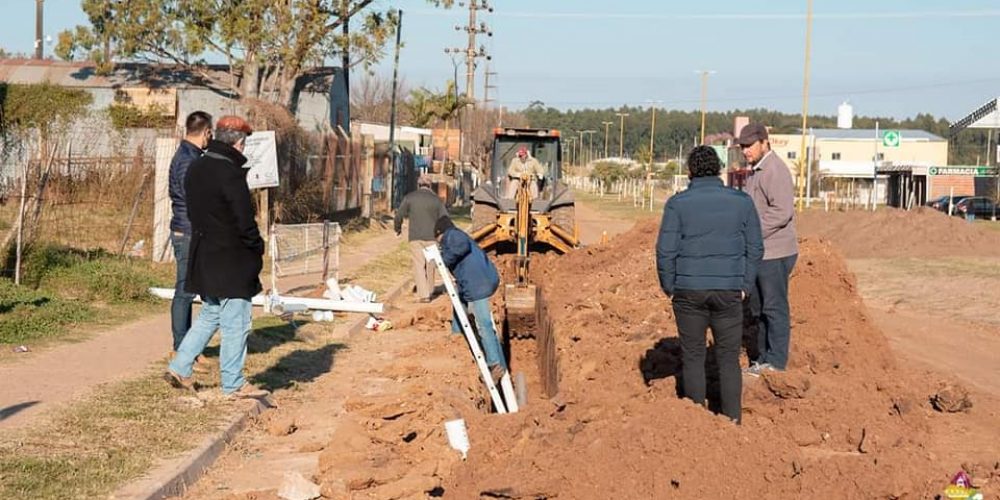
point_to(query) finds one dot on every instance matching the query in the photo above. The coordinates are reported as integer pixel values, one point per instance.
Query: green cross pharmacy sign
(890, 138)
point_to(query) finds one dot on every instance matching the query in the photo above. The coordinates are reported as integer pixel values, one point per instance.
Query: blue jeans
(232, 318)
(484, 327)
(769, 303)
(180, 306)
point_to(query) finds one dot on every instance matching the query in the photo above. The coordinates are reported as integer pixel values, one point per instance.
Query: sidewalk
(39, 381)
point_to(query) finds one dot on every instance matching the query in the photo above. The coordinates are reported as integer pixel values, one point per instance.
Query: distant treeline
(677, 131)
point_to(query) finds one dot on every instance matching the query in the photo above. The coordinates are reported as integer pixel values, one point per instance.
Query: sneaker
(247, 391)
(497, 372)
(757, 369)
(179, 382)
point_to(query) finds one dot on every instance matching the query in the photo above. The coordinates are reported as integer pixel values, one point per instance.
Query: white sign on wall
(262, 159)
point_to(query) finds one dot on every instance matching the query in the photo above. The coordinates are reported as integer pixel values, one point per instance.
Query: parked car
(979, 206)
(941, 202)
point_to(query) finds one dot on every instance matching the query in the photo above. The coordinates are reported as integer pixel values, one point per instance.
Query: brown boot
(179, 382)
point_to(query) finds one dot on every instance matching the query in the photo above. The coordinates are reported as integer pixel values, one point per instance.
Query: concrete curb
(183, 472)
(186, 470)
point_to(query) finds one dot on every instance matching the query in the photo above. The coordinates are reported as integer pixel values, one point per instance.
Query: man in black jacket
(707, 255)
(225, 258)
(423, 208)
(197, 133)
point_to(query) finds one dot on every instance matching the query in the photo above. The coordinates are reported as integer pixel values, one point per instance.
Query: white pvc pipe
(288, 302)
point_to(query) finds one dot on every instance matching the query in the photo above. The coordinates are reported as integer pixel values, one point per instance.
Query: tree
(268, 44)
(371, 98)
(427, 108)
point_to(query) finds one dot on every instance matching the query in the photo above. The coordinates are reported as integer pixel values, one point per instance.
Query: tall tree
(268, 44)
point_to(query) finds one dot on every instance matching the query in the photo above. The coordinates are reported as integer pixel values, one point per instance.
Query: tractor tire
(483, 214)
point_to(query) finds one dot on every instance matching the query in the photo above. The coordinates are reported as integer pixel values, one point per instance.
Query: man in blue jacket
(707, 256)
(197, 132)
(477, 281)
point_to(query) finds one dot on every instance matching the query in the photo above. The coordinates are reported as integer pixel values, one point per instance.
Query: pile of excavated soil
(845, 420)
(921, 232)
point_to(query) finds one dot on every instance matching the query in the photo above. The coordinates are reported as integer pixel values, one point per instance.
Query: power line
(839, 16)
(837, 93)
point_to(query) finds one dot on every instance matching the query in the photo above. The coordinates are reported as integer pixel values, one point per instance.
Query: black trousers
(696, 311)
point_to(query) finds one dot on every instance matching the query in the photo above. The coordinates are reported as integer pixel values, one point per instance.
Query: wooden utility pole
(704, 99)
(805, 112)
(607, 125)
(621, 135)
(39, 32)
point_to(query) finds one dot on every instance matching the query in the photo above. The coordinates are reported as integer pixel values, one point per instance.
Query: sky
(888, 58)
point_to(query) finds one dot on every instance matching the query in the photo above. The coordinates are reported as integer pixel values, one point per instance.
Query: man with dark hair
(477, 280)
(773, 191)
(197, 133)
(225, 259)
(423, 208)
(706, 256)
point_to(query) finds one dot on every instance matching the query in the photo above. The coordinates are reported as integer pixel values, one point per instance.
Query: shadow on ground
(12, 410)
(298, 366)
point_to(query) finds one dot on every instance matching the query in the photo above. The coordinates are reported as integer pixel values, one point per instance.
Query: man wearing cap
(524, 165)
(423, 208)
(197, 132)
(225, 258)
(771, 187)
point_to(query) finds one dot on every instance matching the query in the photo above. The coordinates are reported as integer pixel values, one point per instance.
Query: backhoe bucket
(520, 300)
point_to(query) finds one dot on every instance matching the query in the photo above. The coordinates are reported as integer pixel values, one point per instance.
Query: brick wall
(940, 185)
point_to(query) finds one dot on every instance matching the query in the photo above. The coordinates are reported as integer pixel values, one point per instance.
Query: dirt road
(37, 381)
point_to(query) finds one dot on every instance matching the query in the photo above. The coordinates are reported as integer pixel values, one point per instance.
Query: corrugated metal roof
(867, 134)
(84, 74)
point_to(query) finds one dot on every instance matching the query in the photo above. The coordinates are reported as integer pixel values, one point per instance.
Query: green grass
(64, 290)
(97, 445)
(610, 206)
(386, 270)
(92, 447)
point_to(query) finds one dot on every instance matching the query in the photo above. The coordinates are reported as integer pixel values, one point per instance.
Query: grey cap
(752, 133)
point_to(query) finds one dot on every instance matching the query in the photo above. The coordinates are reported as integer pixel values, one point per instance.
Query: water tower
(845, 115)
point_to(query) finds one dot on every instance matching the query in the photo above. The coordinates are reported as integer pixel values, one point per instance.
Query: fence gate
(306, 249)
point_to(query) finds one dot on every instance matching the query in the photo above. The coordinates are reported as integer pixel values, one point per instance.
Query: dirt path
(38, 381)
(938, 315)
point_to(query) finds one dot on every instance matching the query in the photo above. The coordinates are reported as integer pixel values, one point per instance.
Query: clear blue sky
(891, 57)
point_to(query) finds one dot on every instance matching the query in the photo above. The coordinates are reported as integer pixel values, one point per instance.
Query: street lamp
(606, 125)
(704, 93)
(621, 135)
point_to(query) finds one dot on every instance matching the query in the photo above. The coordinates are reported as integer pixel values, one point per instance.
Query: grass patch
(383, 272)
(92, 447)
(66, 290)
(610, 206)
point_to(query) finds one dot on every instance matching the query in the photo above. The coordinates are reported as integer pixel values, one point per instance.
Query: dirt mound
(843, 421)
(922, 232)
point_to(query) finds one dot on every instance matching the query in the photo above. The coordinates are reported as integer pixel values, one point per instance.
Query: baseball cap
(231, 122)
(752, 133)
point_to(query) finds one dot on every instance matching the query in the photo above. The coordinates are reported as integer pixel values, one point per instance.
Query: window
(835, 156)
(791, 155)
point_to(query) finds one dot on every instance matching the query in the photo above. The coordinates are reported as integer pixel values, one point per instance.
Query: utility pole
(471, 52)
(652, 131)
(704, 96)
(39, 35)
(487, 86)
(396, 186)
(621, 135)
(590, 144)
(805, 114)
(606, 126)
